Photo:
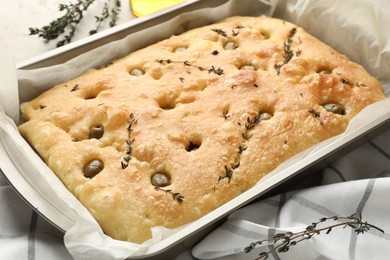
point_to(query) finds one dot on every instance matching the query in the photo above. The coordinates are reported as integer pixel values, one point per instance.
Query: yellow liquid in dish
(145, 7)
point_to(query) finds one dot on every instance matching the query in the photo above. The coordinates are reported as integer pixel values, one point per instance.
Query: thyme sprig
(218, 71)
(115, 13)
(67, 23)
(99, 19)
(175, 195)
(283, 241)
(106, 13)
(249, 124)
(129, 141)
(225, 34)
(288, 52)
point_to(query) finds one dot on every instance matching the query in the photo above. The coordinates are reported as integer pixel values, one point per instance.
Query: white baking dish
(19, 163)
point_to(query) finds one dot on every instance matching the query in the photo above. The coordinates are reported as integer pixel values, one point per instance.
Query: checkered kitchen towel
(357, 183)
(24, 234)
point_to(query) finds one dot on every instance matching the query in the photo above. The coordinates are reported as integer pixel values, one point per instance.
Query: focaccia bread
(172, 131)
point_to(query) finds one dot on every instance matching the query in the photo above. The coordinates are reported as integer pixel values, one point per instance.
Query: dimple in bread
(170, 132)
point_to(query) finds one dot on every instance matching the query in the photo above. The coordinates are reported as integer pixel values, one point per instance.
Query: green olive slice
(137, 72)
(92, 168)
(96, 132)
(247, 67)
(335, 108)
(265, 116)
(180, 49)
(230, 46)
(325, 72)
(160, 180)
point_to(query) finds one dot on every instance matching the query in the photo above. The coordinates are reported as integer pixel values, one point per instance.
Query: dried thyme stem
(175, 195)
(288, 239)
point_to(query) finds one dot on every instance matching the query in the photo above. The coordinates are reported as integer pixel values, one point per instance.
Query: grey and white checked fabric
(359, 182)
(24, 234)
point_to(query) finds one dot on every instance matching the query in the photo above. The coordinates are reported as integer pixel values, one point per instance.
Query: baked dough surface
(212, 111)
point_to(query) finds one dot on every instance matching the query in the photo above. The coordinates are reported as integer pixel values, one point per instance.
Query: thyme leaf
(315, 113)
(229, 172)
(75, 87)
(250, 123)
(218, 71)
(220, 32)
(346, 82)
(241, 149)
(358, 84)
(225, 114)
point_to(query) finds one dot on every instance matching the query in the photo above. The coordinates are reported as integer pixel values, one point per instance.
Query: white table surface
(17, 16)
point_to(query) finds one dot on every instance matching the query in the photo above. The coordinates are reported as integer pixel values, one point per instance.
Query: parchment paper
(363, 38)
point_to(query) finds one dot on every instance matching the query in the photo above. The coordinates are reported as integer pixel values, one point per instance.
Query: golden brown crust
(193, 115)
